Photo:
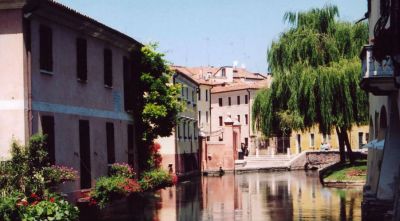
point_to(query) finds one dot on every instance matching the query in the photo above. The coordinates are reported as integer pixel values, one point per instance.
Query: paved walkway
(264, 162)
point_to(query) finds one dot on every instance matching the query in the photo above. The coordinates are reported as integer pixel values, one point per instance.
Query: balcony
(377, 78)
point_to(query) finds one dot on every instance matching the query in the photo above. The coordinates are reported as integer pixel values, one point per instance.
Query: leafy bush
(111, 188)
(8, 206)
(122, 169)
(25, 180)
(51, 209)
(155, 179)
(16, 206)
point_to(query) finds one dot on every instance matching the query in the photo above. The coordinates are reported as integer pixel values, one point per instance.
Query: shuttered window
(46, 49)
(108, 78)
(81, 59)
(110, 143)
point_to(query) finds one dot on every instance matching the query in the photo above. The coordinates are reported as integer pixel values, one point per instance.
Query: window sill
(108, 87)
(51, 73)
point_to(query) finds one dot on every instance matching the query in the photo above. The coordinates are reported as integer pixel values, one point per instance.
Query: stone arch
(382, 123)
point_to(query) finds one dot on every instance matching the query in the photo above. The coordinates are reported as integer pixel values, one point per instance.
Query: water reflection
(250, 197)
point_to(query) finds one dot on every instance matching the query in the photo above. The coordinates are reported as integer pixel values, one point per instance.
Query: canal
(295, 195)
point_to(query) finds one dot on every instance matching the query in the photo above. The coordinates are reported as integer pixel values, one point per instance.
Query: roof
(241, 85)
(198, 73)
(33, 5)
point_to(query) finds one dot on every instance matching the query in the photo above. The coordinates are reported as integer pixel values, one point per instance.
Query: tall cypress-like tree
(316, 77)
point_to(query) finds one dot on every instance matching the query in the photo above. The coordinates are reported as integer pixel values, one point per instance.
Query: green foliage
(316, 74)
(56, 209)
(347, 172)
(157, 104)
(112, 188)
(29, 170)
(8, 206)
(16, 206)
(155, 179)
(122, 170)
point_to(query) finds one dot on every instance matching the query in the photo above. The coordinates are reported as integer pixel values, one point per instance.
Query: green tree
(316, 74)
(156, 102)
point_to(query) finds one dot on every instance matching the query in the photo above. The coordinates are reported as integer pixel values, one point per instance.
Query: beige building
(380, 77)
(180, 151)
(67, 76)
(313, 140)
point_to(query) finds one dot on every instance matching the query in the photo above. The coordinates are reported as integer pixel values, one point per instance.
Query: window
(81, 59)
(199, 94)
(206, 116)
(110, 143)
(367, 137)
(312, 141)
(188, 131)
(206, 95)
(229, 101)
(84, 154)
(108, 78)
(187, 93)
(178, 127)
(223, 72)
(183, 93)
(360, 139)
(246, 119)
(220, 121)
(46, 49)
(195, 131)
(238, 118)
(129, 94)
(193, 96)
(48, 130)
(184, 130)
(220, 101)
(131, 155)
(246, 99)
(238, 100)
(200, 117)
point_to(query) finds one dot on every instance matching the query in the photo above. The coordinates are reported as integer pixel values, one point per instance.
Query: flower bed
(26, 185)
(120, 184)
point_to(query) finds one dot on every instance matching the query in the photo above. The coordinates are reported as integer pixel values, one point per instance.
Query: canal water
(295, 195)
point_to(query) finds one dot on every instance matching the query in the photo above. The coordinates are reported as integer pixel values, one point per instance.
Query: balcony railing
(377, 77)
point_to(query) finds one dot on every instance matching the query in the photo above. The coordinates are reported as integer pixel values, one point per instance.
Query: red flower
(34, 202)
(52, 200)
(22, 202)
(33, 195)
(92, 202)
(174, 179)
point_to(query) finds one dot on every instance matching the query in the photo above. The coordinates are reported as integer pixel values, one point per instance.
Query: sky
(208, 32)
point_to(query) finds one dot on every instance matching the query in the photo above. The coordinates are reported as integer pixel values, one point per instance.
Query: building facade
(68, 77)
(180, 151)
(380, 77)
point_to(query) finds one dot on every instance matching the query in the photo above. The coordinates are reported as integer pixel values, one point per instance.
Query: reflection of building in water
(259, 196)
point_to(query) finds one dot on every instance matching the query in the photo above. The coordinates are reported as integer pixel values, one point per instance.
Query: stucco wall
(242, 109)
(12, 99)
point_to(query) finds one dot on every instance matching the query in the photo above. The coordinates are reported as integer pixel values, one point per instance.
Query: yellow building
(312, 139)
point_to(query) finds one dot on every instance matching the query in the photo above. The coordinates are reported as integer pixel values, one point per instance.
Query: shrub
(155, 178)
(8, 206)
(122, 169)
(54, 175)
(111, 188)
(16, 206)
(50, 209)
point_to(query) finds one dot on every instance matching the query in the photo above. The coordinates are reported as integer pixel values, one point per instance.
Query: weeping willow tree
(316, 74)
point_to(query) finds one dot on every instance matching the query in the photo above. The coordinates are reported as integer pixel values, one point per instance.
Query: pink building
(70, 77)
